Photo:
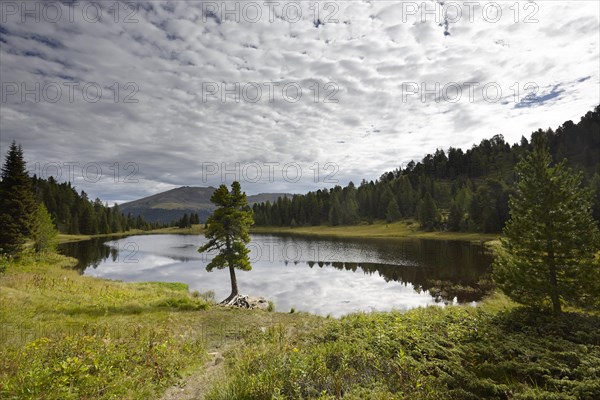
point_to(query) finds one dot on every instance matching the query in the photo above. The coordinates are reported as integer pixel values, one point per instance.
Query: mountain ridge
(170, 205)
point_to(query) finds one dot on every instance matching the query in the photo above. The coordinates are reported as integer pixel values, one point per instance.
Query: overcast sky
(182, 93)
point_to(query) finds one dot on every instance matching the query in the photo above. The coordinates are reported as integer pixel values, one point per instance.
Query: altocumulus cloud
(161, 68)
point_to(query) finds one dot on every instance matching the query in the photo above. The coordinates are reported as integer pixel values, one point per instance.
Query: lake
(321, 276)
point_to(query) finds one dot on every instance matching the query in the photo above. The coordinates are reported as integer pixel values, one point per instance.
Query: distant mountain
(171, 205)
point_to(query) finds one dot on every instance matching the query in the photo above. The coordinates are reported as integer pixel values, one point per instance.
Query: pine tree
(385, 197)
(228, 233)
(45, 235)
(335, 212)
(17, 203)
(393, 211)
(88, 224)
(547, 254)
(184, 222)
(103, 225)
(595, 186)
(489, 208)
(406, 196)
(350, 213)
(427, 213)
(140, 223)
(74, 226)
(116, 220)
(454, 217)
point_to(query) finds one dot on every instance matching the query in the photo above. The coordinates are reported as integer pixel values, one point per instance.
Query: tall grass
(495, 351)
(66, 336)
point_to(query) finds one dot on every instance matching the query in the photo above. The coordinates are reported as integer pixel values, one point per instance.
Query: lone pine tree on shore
(228, 233)
(549, 249)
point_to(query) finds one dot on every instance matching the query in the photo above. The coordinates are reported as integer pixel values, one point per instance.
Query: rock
(258, 302)
(251, 302)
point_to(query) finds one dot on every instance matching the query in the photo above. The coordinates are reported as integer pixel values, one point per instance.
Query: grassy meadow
(67, 336)
(493, 351)
(379, 229)
(194, 230)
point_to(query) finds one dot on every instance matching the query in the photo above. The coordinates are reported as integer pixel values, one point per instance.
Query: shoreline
(98, 331)
(377, 230)
(69, 238)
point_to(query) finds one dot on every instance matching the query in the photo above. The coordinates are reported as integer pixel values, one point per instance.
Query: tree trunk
(234, 286)
(556, 308)
(554, 295)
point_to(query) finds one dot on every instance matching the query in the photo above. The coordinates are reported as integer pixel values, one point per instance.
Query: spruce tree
(549, 244)
(17, 203)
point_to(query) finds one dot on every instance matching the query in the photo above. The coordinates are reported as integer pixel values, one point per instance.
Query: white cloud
(369, 53)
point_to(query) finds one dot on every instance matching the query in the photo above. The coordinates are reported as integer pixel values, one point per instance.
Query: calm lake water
(321, 276)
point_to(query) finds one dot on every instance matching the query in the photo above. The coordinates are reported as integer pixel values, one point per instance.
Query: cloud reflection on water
(331, 284)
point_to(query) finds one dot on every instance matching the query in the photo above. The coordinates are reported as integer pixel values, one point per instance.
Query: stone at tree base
(250, 302)
(258, 302)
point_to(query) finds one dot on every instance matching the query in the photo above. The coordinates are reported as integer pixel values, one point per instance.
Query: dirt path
(199, 383)
(224, 330)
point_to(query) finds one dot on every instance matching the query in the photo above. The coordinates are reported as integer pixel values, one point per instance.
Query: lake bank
(194, 230)
(392, 273)
(379, 229)
(70, 336)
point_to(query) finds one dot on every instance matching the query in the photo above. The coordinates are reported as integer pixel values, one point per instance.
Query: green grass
(379, 229)
(67, 336)
(495, 351)
(194, 230)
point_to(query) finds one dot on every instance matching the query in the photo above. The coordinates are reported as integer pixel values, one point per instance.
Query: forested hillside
(75, 213)
(453, 190)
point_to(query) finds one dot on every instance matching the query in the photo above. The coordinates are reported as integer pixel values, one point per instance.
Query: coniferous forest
(75, 213)
(452, 190)
(38, 209)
